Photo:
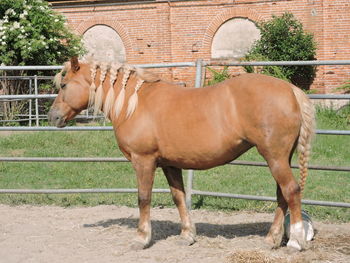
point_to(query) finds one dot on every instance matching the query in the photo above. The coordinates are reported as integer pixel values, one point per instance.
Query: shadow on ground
(162, 229)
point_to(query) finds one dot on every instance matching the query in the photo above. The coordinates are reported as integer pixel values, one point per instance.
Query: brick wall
(183, 30)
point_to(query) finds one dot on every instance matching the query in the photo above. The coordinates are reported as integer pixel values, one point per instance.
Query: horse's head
(73, 93)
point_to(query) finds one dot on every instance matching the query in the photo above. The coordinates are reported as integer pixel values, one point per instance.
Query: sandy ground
(103, 234)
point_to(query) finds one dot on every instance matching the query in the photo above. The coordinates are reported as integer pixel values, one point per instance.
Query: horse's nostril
(57, 118)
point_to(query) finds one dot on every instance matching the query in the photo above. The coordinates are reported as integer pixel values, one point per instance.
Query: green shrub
(284, 39)
(275, 71)
(218, 76)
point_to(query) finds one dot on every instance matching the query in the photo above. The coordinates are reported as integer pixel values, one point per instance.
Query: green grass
(321, 185)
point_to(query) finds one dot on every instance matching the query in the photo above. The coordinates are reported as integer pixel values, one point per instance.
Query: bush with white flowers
(31, 33)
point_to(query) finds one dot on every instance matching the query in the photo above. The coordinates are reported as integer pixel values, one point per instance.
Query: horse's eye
(63, 86)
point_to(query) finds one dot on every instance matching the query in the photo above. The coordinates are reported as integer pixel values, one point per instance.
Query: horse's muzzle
(56, 119)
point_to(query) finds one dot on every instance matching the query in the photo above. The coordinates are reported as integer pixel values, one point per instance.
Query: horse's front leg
(145, 167)
(175, 180)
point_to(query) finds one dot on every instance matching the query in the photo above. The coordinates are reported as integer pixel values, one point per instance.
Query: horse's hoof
(274, 240)
(297, 237)
(185, 240)
(295, 244)
(138, 245)
(271, 242)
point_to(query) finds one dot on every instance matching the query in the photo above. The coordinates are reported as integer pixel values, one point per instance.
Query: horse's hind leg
(275, 235)
(289, 193)
(174, 177)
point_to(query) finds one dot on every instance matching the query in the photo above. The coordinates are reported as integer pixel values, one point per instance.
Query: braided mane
(114, 103)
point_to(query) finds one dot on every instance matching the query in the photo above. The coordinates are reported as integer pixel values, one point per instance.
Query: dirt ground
(103, 234)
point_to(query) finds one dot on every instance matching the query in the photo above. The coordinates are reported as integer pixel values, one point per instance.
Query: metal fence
(34, 116)
(199, 64)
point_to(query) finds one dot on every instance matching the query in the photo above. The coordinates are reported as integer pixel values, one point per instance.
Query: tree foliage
(284, 39)
(31, 33)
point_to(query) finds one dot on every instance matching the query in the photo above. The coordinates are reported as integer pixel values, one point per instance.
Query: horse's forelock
(57, 80)
(58, 77)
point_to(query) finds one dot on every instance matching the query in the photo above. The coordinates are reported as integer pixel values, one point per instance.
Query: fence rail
(189, 188)
(122, 159)
(110, 128)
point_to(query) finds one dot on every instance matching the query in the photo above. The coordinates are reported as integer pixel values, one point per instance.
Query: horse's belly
(192, 156)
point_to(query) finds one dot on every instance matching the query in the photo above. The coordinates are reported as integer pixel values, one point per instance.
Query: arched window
(234, 39)
(104, 44)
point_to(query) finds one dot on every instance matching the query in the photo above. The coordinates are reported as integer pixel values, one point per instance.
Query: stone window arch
(234, 39)
(104, 44)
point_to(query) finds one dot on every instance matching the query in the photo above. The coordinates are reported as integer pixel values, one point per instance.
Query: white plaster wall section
(104, 44)
(234, 39)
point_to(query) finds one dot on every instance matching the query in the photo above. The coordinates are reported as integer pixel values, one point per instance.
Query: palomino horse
(158, 124)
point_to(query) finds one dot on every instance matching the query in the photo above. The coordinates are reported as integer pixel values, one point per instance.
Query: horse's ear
(74, 63)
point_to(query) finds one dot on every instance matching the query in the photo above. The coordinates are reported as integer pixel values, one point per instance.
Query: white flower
(29, 48)
(23, 15)
(56, 20)
(3, 43)
(10, 11)
(16, 25)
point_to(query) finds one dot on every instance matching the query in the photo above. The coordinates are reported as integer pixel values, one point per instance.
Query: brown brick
(174, 28)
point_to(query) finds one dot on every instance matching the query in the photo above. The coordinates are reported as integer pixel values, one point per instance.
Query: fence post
(199, 64)
(189, 186)
(190, 174)
(36, 100)
(30, 102)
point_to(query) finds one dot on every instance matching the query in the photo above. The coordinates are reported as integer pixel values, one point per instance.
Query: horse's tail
(306, 133)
